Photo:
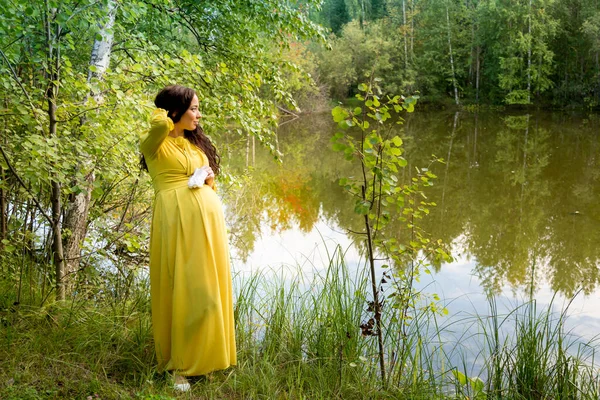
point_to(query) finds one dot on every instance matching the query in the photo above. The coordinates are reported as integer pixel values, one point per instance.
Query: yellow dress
(190, 277)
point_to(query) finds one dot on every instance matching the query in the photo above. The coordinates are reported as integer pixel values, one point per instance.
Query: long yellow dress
(190, 277)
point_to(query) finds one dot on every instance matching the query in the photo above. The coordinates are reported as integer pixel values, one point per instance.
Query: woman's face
(189, 120)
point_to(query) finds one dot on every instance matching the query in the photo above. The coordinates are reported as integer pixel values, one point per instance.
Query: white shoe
(181, 387)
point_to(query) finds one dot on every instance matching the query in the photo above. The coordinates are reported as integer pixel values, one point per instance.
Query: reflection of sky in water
(294, 248)
(460, 291)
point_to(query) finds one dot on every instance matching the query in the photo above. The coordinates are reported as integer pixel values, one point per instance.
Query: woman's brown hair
(176, 100)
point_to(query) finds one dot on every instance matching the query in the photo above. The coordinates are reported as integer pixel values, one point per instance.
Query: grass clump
(298, 337)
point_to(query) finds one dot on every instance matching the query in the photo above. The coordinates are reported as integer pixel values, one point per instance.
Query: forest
(77, 83)
(536, 52)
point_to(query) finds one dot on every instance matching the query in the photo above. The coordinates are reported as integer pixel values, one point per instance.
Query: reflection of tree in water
(573, 231)
(287, 195)
(506, 243)
(507, 187)
(514, 192)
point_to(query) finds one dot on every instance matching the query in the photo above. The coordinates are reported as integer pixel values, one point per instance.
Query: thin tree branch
(78, 114)
(286, 111)
(39, 206)
(13, 42)
(16, 78)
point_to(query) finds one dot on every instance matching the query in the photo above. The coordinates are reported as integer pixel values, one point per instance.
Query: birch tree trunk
(451, 56)
(473, 23)
(412, 30)
(248, 151)
(529, 57)
(76, 217)
(404, 31)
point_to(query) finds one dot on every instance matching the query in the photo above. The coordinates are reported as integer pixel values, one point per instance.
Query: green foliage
(383, 199)
(334, 14)
(526, 65)
(355, 55)
(380, 192)
(519, 52)
(236, 55)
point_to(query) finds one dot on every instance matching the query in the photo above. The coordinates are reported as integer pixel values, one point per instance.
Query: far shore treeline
(541, 52)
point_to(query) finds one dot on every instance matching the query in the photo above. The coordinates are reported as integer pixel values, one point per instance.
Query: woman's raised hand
(210, 178)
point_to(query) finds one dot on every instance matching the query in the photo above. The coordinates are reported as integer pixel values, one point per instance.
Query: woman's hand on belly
(210, 178)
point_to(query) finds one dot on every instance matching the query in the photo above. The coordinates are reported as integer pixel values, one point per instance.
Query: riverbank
(471, 105)
(299, 336)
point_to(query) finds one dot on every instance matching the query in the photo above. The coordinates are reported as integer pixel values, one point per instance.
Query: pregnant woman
(190, 278)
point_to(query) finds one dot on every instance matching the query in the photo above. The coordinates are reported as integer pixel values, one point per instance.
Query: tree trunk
(451, 56)
(412, 30)
(76, 217)
(471, 72)
(3, 211)
(529, 57)
(57, 245)
(404, 31)
(248, 151)
(362, 15)
(53, 59)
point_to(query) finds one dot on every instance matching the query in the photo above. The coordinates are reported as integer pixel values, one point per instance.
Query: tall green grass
(299, 336)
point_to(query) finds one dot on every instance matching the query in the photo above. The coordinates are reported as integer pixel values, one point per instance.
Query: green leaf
(374, 139)
(363, 87)
(462, 378)
(339, 114)
(362, 207)
(477, 384)
(339, 146)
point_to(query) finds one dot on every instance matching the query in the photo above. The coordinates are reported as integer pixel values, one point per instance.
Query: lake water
(517, 201)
